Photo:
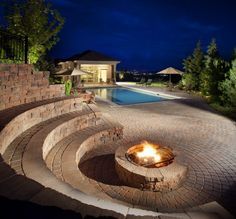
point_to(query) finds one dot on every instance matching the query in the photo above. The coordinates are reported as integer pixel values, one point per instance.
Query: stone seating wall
(36, 115)
(67, 128)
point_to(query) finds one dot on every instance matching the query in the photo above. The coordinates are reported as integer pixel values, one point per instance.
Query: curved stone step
(17, 187)
(24, 120)
(56, 156)
(63, 155)
(8, 114)
(14, 152)
(35, 168)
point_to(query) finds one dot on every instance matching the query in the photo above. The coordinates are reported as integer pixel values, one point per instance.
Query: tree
(214, 71)
(228, 87)
(193, 66)
(38, 21)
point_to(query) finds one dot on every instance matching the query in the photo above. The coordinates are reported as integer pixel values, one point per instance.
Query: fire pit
(150, 155)
(148, 166)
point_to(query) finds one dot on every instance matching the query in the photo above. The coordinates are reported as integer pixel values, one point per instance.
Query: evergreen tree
(193, 66)
(36, 20)
(228, 87)
(213, 73)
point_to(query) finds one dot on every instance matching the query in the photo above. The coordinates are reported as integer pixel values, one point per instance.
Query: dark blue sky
(145, 34)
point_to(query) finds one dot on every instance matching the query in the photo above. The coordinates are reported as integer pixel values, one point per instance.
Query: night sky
(145, 34)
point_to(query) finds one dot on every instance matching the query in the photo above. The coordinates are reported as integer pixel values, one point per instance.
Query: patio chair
(149, 82)
(142, 81)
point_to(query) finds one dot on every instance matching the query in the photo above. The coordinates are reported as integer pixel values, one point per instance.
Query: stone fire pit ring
(162, 179)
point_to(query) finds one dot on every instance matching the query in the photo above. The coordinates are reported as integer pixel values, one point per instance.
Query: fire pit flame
(150, 155)
(149, 152)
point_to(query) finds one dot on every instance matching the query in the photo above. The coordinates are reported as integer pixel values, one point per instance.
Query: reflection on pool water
(125, 96)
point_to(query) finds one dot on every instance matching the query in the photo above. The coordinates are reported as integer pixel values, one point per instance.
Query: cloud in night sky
(145, 35)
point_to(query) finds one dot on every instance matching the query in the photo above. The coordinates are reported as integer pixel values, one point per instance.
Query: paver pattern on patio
(202, 140)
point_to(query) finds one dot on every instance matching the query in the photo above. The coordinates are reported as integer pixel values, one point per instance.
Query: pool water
(125, 96)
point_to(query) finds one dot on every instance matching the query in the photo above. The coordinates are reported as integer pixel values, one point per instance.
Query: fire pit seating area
(45, 136)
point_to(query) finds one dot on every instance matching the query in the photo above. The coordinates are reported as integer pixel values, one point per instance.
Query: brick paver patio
(202, 139)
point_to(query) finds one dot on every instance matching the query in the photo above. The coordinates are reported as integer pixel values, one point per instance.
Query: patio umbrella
(76, 72)
(170, 71)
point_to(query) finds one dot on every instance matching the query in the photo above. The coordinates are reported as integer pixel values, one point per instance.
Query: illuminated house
(94, 67)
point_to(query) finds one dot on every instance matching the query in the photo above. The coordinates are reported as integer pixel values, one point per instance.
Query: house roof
(90, 55)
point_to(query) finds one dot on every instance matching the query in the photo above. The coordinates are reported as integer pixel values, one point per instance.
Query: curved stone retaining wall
(98, 140)
(67, 128)
(34, 116)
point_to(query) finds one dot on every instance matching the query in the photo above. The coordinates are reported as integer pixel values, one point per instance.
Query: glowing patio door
(103, 75)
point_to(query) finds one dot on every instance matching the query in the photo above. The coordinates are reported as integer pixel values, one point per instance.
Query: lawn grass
(158, 84)
(154, 84)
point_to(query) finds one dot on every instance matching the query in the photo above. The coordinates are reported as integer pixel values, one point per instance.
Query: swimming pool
(125, 96)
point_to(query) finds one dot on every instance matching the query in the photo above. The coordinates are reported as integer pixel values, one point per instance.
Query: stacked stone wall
(20, 84)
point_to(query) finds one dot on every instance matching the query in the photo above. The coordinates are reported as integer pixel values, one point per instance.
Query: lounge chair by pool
(142, 81)
(149, 82)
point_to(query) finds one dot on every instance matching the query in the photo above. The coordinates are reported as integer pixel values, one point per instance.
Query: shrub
(68, 86)
(189, 82)
(228, 87)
